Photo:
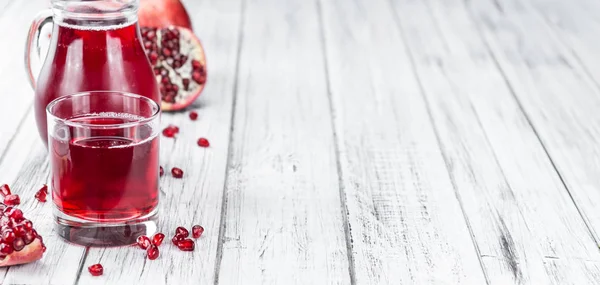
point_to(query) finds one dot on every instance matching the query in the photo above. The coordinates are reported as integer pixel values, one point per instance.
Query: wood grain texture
(197, 198)
(14, 87)
(492, 153)
(406, 223)
(283, 222)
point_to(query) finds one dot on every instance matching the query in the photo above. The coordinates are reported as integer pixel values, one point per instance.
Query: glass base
(90, 233)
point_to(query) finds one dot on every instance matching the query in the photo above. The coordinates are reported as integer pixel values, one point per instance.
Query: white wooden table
(358, 142)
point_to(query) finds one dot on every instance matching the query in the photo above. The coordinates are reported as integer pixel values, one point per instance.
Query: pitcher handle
(32, 47)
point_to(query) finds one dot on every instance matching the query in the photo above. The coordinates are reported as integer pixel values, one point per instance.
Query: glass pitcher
(95, 45)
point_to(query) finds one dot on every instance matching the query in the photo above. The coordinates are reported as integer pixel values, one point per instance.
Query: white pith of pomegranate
(179, 63)
(19, 241)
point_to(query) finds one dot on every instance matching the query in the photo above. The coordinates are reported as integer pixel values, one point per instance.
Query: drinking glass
(104, 148)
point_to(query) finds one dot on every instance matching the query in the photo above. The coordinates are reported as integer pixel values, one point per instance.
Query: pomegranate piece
(197, 231)
(19, 241)
(153, 252)
(42, 193)
(12, 200)
(158, 239)
(181, 231)
(202, 142)
(143, 242)
(186, 245)
(179, 63)
(4, 190)
(177, 172)
(96, 269)
(162, 13)
(162, 171)
(193, 115)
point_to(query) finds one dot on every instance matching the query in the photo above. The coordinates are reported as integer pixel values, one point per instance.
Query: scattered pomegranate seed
(143, 242)
(197, 231)
(186, 245)
(158, 239)
(170, 131)
(162, 171)
(5, 190)
(96, 269)
(153, 252)
(203, 142)
(41, 194)
(12, 200)
(181, 231)
(177, 172)
(176, 239)
(193, 115)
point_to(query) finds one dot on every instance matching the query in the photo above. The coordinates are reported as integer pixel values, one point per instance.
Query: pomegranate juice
(87, 59)
(106, 175)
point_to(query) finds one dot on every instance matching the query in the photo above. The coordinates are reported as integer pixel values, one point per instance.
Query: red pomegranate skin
(163, 13)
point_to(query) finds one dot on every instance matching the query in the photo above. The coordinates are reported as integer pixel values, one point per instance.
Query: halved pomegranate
(179, 63)
(19, 241)
(162, 13)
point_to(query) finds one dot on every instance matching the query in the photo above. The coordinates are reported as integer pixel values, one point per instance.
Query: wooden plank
(25, 168)
(528, 230)
(197, 198)
(559, 100)
(283, 222)
(406, 223)
(14, 87)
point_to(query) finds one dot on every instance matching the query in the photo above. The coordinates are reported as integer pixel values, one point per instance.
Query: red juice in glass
(107, 177)
(95, 45)
(104, 149)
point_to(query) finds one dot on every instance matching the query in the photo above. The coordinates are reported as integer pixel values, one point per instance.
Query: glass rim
(143, 121)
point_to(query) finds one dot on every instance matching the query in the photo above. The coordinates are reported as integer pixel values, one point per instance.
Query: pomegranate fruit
(177, 172)
(202, 142)
(96, 269)
(4, 190)
(162, 13)
(20, 243)
(179, 64)
(197, 231)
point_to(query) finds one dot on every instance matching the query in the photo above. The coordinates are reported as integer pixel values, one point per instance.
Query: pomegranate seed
(186, 245)
(18, 244)
(28, 238)
(181, 231)
(143, 242)
(203, 142)
(177, 172)
(12, 200)
(15, 214)
(158, 239)
(8, 236)
(6, 248)
(193, 115)
(176, 239)
(197, 231)
(20, 231)
(28, 225)
(196, 64)
(153, 252)
(162, 171)
(198, 77)
(96, 269)
(41, 194)
(5, 190)
(169, 132)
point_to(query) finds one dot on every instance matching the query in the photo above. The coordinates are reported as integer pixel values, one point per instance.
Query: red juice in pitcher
(85, 57)
(106, 175)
